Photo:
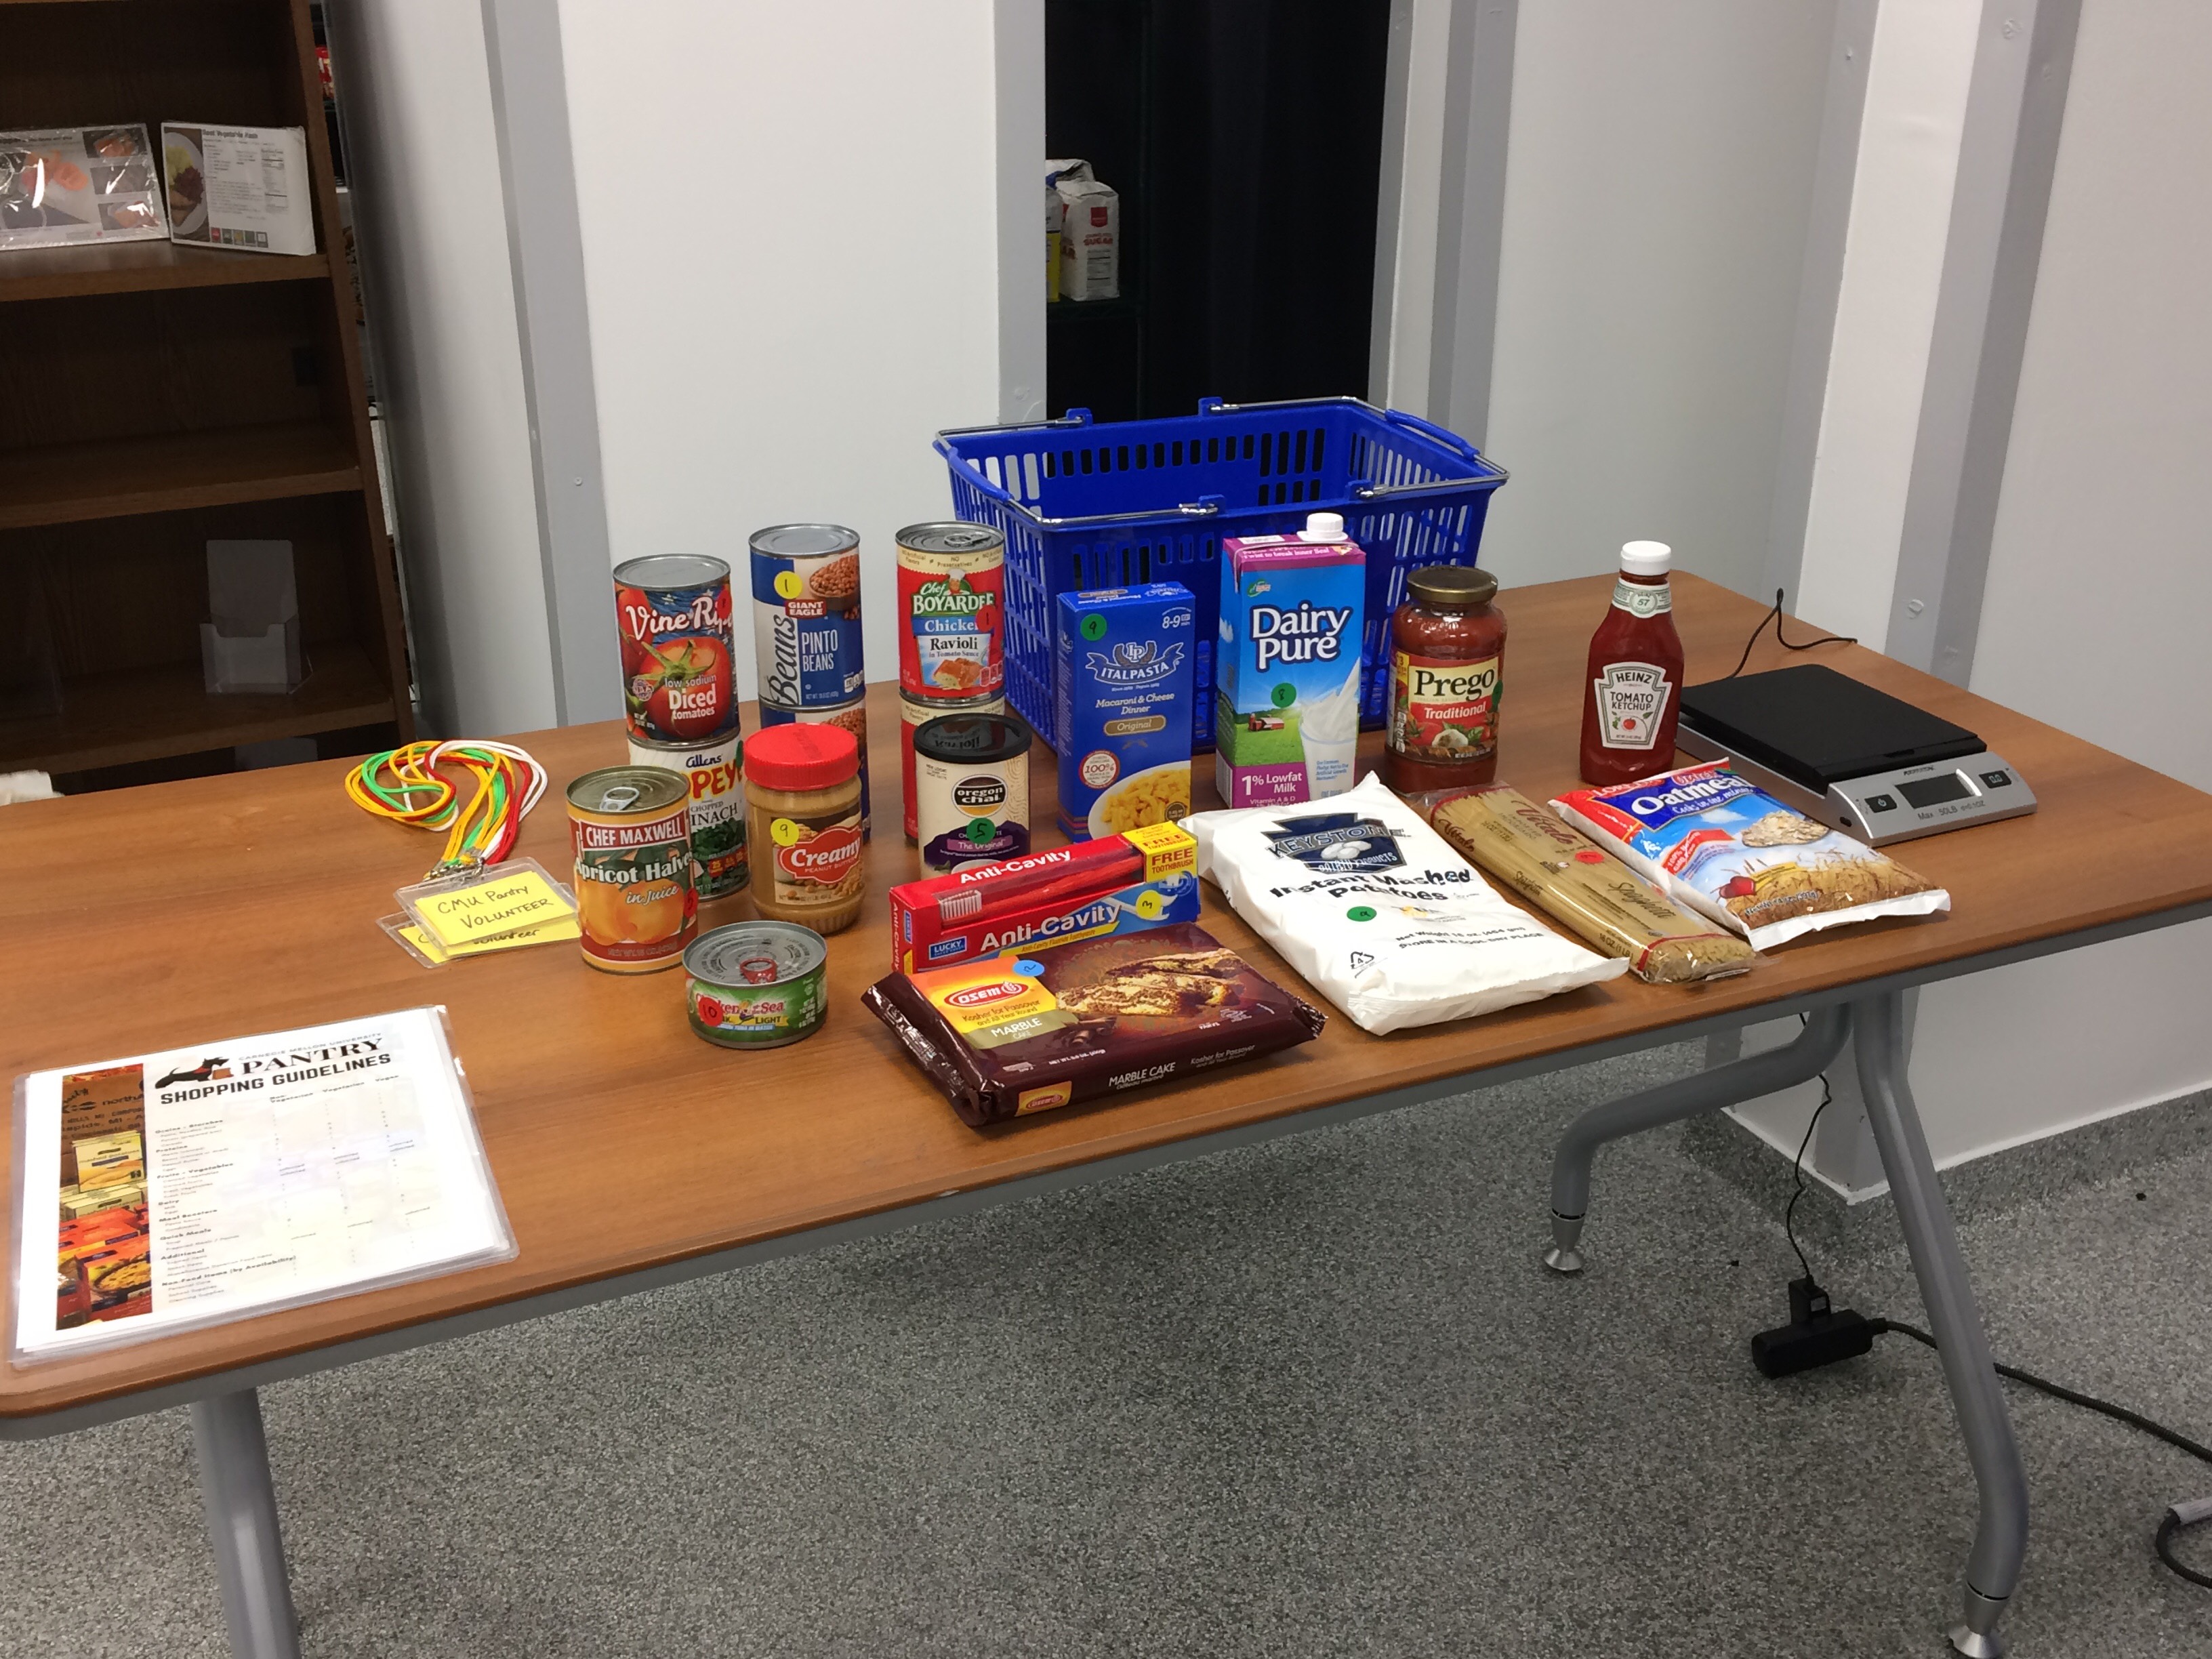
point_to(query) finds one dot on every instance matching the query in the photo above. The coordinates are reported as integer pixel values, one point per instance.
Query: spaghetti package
(1380, 914)
(1569, 877)
(1717, 842)
(1049, 1024)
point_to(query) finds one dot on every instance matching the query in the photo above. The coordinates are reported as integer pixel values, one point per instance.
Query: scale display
(1868, 763)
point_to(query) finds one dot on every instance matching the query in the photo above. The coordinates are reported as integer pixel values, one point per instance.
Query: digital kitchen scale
(1849, 756)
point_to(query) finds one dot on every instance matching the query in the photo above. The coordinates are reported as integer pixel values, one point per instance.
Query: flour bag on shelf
(1379, 912)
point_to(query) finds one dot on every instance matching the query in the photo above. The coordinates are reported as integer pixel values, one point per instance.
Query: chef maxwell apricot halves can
(634, 892)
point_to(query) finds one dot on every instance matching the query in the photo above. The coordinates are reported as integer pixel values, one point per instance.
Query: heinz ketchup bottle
(1632, 693)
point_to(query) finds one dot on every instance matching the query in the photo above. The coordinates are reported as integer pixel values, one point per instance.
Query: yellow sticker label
(545, 933)
(486, 910)
(785, 833)
(789, 584)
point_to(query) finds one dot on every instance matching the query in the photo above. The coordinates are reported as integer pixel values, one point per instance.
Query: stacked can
(674, 614)
(806, 632)
(951, 633)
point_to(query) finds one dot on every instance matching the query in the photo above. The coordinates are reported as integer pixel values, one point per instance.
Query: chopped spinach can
(715, 770)
(757, 984)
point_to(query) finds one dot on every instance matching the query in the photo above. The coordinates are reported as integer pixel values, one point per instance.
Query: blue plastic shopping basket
(1085, 506)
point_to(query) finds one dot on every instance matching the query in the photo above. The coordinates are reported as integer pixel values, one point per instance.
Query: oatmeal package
(1713, 841)
(1047, 1025)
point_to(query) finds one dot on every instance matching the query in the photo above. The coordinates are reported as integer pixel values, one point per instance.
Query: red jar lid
(799, 756)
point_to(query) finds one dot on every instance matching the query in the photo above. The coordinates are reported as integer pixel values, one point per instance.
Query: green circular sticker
(1361, 912)
(980, 831)
(1094, 627)
(1285, 695)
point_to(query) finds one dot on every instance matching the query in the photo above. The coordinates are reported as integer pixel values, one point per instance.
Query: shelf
(115, 719)
(113, 478)
(61, 273)
(1132, 306)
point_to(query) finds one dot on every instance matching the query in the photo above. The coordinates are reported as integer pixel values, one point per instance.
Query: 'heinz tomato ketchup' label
(673, 613)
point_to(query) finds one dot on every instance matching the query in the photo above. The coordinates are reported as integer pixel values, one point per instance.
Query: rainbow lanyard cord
(405, 786)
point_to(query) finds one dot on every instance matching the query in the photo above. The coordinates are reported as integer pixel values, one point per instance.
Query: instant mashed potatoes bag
(1380, 914)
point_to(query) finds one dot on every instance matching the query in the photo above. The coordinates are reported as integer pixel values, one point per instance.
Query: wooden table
(630, 1153)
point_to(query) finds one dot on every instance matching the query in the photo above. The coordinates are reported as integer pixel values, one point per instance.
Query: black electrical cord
(1774, 616)
(2173, 1522)
(1797, 1174)
(2177, 1517)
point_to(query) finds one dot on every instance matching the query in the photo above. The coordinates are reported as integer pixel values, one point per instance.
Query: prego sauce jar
(803, 825)
(1446, 673)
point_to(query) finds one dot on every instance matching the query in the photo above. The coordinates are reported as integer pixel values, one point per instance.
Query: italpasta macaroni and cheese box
(1121, 707)
(1114, 885)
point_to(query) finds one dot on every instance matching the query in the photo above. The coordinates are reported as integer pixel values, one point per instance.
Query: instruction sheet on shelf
(186, 1187)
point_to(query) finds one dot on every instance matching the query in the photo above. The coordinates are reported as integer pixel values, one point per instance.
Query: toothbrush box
(1286, 673)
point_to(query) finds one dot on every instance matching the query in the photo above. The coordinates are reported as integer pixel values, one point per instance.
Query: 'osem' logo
(983, 996)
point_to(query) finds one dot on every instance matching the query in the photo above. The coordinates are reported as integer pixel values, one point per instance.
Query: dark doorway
(1245, 137)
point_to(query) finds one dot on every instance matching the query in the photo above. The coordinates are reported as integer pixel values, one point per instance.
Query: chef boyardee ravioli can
(952, 612)
(634, 895)
(757, 984)
(715, 771)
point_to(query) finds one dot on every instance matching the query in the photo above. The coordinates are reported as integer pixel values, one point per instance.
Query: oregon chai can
(972, 775)
(634, 893)
(757, 984)
(911, 716)
(853, 716)
(715, 771)
(673, 612)
(806, 615)
(952, 612)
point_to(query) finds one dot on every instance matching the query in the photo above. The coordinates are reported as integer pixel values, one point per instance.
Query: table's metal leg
(2001, 1538)
(241, 1523)
(1813, 1051)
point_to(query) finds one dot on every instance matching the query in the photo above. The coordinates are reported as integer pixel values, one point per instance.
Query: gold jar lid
(1452, 587)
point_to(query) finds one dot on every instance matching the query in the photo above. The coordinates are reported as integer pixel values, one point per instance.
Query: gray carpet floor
(1313, 1397)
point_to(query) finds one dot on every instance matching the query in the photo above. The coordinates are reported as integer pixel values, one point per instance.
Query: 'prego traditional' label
(1443, 709)
(1632, 698)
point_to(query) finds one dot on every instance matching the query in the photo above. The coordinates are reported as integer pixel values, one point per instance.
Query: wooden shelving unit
(153, 397)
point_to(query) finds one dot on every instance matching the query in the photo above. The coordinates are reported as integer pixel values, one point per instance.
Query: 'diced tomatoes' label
(953, 644)
(676, 661)
(1443, 709)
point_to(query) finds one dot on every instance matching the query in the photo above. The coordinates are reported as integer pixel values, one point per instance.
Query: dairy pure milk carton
(1286, 675)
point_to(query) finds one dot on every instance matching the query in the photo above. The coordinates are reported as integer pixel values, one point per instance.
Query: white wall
(1901, 215)
(426, 192)
(792, 252)
(1658, 179)
(2100, 540)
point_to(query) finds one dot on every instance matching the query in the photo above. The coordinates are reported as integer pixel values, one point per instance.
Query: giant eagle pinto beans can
(911, 716)
(953, 610)
(715, 770)
(853, 716)
(634, 895)
(972, 780)
(806, 615)
(672, 611)
(757, 984)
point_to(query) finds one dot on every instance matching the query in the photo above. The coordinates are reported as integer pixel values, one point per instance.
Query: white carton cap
(1646, 558)
(1323, 527)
